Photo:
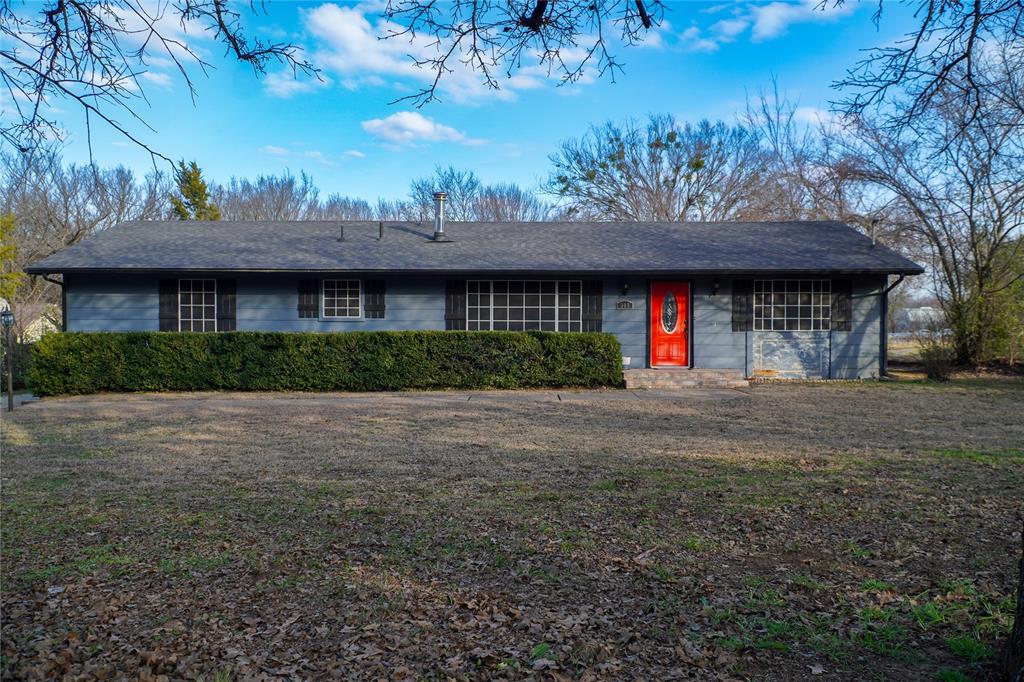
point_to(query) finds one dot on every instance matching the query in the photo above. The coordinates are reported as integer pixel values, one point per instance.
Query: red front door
(670, 314)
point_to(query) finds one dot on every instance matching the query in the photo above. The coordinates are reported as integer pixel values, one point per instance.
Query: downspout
(883, 341)
(63, 301)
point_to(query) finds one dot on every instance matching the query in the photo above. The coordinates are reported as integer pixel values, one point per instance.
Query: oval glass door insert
(669, 313)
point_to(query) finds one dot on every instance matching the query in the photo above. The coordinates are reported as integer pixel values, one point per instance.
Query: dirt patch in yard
(827, 531)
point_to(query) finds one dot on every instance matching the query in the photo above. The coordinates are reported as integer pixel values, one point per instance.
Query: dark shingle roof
(509, 247)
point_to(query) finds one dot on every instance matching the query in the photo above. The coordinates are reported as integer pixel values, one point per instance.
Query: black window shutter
(309, 298)
(168, 305)
(742, 305)
(225, 305)
(455, 304)
(593, 303)
(373, 299)
(842, 309)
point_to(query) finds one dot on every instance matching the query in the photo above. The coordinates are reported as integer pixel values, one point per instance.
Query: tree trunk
(1013, 652)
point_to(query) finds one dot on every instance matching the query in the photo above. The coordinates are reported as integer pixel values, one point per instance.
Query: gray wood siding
(109, 303)
(715, 345)
(856, 353)
(629, 326)
(268, 303)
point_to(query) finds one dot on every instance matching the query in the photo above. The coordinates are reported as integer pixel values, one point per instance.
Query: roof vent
(439, 199)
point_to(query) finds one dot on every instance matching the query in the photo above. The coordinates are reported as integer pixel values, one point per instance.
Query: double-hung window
(197, 305)
(521, 305)
(792, 304)
(341, 298)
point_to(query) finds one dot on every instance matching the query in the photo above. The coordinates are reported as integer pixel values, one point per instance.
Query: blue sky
(703, 63)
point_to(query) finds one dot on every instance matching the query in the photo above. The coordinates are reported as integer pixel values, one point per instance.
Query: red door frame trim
(689, 322)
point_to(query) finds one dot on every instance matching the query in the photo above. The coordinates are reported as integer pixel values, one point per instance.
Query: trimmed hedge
(89, 362)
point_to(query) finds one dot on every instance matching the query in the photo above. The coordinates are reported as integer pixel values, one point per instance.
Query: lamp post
(7, 319)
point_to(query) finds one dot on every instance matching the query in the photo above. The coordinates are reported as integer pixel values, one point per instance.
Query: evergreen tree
(192, 202)
(10, 275)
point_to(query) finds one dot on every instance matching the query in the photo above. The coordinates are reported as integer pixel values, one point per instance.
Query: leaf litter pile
(816, 531)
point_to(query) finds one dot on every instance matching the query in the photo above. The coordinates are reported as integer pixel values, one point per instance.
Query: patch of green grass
(886, 639)
(760, 596)
(873, 585)
(607, 485)
(963, 586)
(105, 556)
(856, 550)
(873, 614)
(542, 650)
(39, 574)
(694, 544)
(928, 615)
(200, 562)
(663, 573)
(762, 501)
(969, 648)
(982, 456)
(950, 675)
(804, 580)
(46, 484)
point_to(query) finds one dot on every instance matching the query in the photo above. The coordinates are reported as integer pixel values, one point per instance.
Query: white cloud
(353, 154)
(729, 28)
(295, 151)
(762, 21)
(285, 84)
(157, 78)
(694, 41)
(775, 18)
(349, 46)
(410, 128)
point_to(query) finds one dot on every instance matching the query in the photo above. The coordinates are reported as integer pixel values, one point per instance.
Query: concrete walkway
(410, 397)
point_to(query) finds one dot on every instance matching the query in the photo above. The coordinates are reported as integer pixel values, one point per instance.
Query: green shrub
(937, 357)
(80, 362)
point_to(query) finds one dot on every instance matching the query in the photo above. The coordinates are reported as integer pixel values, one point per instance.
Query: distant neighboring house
(34, 320)
(801, 299)
(920, 318)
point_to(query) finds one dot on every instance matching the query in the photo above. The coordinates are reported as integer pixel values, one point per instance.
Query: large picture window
(521, 305)
(341, 298)
(197, 305)
(792, 304)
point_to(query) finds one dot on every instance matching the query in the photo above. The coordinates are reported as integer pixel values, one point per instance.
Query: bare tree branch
(92, 53)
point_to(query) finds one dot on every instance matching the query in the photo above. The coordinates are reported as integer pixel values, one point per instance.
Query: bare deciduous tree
(56, 205)
(938, 61)
(495, 36)
(268, 197)
(470, 199)
(664, 170)
(954, 179)
(510, 203)
(338, 207)
(92, 54)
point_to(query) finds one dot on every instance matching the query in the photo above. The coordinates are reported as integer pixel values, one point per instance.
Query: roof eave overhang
(661, 272)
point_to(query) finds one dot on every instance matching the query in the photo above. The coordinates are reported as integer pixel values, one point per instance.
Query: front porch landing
(684, 378)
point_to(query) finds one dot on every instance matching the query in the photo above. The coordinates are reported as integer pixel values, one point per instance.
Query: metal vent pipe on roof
(439, 199)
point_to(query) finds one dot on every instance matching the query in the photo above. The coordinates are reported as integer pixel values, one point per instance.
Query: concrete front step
(684, 378)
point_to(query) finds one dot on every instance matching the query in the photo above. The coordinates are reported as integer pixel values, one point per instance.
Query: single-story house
(788, 299)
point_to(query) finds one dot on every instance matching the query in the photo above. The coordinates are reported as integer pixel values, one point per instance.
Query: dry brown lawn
(820, 531)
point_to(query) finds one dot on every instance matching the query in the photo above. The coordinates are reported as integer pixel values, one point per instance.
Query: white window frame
(323, 300)
(191, 306)
(557, 283)
(765, 323)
